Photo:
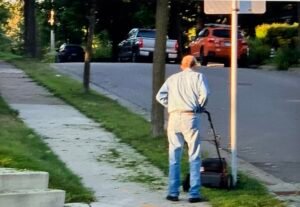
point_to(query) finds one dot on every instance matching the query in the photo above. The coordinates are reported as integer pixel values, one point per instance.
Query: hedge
(277, 34)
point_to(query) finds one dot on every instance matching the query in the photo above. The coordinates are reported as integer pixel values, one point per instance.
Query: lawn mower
(213, 172)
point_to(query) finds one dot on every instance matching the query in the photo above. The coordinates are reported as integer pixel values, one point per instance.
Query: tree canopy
(115, 18)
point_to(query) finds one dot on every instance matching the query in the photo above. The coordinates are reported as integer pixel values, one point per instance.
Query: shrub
(102, 47)
(283, 38)
(49, 57)
(261, 31)
(277, 34)
(285, 57)
(258, 52)
(5, 43)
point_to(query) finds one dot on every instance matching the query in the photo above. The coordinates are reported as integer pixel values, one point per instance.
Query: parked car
(70, 53)
(140, 44)
(213, 43)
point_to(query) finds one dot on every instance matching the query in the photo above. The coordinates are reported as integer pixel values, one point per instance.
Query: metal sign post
(233, 88)
(234, 7)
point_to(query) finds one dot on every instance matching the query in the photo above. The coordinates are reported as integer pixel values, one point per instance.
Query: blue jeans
(184, 127)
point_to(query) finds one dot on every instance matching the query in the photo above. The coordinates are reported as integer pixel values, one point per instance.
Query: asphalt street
(268, 108)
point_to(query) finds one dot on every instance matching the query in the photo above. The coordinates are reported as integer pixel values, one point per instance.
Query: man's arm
(204, 91)
(162, 95)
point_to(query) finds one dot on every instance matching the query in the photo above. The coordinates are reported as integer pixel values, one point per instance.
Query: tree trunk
(298, 15)
(158, 76)
(88, 52)
(175, 26)
(30, 40)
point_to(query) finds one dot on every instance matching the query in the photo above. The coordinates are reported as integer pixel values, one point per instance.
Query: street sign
(252, 7)
(225, 7)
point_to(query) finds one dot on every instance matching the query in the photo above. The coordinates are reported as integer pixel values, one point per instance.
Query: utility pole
(52, 35)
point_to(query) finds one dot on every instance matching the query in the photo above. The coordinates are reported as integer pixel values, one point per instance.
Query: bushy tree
(4, 16)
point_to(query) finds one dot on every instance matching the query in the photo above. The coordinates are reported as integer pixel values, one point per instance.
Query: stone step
(32, 198)
(12, 179)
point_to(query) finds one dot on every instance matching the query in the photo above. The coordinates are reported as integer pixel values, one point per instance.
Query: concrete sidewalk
(106, 166)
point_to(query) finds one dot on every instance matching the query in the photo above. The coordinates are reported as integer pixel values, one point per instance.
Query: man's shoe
(195, 200)
(172, 198)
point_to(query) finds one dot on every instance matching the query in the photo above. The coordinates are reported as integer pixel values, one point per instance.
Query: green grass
(249, 193)
(22, 148)
(135, 131)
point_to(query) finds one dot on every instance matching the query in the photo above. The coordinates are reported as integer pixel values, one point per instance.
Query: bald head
(188, 61)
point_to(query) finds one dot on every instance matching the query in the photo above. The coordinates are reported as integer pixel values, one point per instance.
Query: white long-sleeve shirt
(184, 91)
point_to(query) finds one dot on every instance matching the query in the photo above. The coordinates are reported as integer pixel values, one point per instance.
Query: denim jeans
(184, 127)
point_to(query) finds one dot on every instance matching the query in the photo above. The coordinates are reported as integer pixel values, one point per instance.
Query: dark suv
(70, 53)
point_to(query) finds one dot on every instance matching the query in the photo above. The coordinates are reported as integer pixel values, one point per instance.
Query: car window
(146, 33)
(224, 33)
(74, 49)
(240, 35)
(132, 33)
(62, 47)
(203, 33)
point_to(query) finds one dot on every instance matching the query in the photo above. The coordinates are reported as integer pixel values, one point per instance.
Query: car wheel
(60, 59)
(119, 59)
(81, 59)
(243, 62)
(187, 51)
(203, 59)
(186, 183)
(56, 59)
(227, 63)
(228, 182)
(134, 57)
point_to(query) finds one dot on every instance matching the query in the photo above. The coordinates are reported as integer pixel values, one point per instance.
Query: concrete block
(76, 205)
(32, 198)
(12, 179)
(99, 204)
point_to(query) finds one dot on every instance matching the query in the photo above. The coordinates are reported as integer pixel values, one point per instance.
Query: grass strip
(135, 131)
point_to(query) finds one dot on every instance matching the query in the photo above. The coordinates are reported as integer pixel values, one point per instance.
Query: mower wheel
(228, 182)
